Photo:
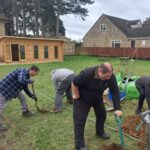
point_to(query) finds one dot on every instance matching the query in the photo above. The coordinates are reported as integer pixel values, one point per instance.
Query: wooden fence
(141, 53)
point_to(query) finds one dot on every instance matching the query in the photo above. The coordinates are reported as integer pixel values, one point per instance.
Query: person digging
(62, 79)
(11, 86)
(87, 88)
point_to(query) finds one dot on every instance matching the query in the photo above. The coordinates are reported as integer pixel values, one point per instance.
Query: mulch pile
(112, 146)
(129, 127)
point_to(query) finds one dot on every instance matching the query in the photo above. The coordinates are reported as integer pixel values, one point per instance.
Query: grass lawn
(55, 131)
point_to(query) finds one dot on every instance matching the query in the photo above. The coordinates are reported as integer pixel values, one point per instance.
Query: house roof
(125, 26)
(138, 32)
(122, 24)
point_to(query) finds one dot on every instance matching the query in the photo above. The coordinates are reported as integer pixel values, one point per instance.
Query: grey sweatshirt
(59, 75)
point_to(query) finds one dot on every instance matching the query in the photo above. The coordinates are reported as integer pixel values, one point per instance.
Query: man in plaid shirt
(11, 87)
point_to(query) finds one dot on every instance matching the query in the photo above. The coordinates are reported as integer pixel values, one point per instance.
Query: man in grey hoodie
(62, 79)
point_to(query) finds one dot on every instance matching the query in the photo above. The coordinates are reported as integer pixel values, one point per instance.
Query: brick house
(109, 31)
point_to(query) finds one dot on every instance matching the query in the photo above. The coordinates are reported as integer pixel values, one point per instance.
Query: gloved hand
(34, 97)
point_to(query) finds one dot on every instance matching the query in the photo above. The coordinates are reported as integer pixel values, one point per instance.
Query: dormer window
(103, 27)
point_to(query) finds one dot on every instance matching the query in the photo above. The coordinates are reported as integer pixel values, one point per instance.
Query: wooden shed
(28, 50)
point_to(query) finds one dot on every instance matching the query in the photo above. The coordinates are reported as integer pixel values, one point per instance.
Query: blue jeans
(61, 88)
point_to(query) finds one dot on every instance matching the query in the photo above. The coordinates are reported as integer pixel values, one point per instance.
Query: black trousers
(80, 113)
(141, 96)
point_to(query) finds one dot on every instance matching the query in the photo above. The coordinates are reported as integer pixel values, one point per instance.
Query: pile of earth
(129, 126)
(112, 146)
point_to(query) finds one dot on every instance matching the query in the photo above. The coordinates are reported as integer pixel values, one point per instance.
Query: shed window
(45, 51)
(36, 52)
(143, 43)
(22, 52)
(116, 44)
(103, 27)
(56, 52)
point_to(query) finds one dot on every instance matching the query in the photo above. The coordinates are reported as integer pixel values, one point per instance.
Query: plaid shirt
(14, 82)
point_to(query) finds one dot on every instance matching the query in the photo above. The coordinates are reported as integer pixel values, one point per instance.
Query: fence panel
(141, 53)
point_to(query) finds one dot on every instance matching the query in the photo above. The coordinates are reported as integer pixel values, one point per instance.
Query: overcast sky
(76, 28)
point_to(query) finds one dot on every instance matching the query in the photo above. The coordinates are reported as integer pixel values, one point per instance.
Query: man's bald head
(106, 67)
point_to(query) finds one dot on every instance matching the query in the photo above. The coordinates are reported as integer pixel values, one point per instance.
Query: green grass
(55, 131)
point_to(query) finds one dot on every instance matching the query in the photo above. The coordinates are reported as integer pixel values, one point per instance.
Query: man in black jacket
(88, 88)
(143, 86)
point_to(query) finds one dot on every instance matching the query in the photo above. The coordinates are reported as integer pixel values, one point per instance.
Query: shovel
(36, 105)
(119, 123)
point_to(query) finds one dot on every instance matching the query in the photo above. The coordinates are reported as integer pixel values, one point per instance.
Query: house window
(36, 52)
(22, 52)
(56, 52)
(103, 27)
(116, 44)
(45, 51)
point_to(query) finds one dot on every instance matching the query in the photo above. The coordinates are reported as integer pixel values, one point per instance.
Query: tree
(40, 17)
(35, 5)
(6, 9)
(63, 7)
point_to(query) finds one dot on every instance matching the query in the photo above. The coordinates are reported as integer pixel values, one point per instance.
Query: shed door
(15, 52)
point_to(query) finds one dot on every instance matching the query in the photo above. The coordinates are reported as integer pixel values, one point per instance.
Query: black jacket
(91, 88)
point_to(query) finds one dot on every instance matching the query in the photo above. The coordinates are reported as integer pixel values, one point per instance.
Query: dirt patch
(129, 126)
(112, 146)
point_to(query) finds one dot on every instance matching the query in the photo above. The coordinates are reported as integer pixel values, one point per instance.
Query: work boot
(81, 148)
(56, 110)
(28, 113)
(137, 111)
(104, 136)
(2, 127)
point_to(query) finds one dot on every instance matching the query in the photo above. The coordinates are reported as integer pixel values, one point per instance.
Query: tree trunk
(13, 15)
(17, 22)
(24, 17)
(36, 17)
(57, 18)
(41, 18)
